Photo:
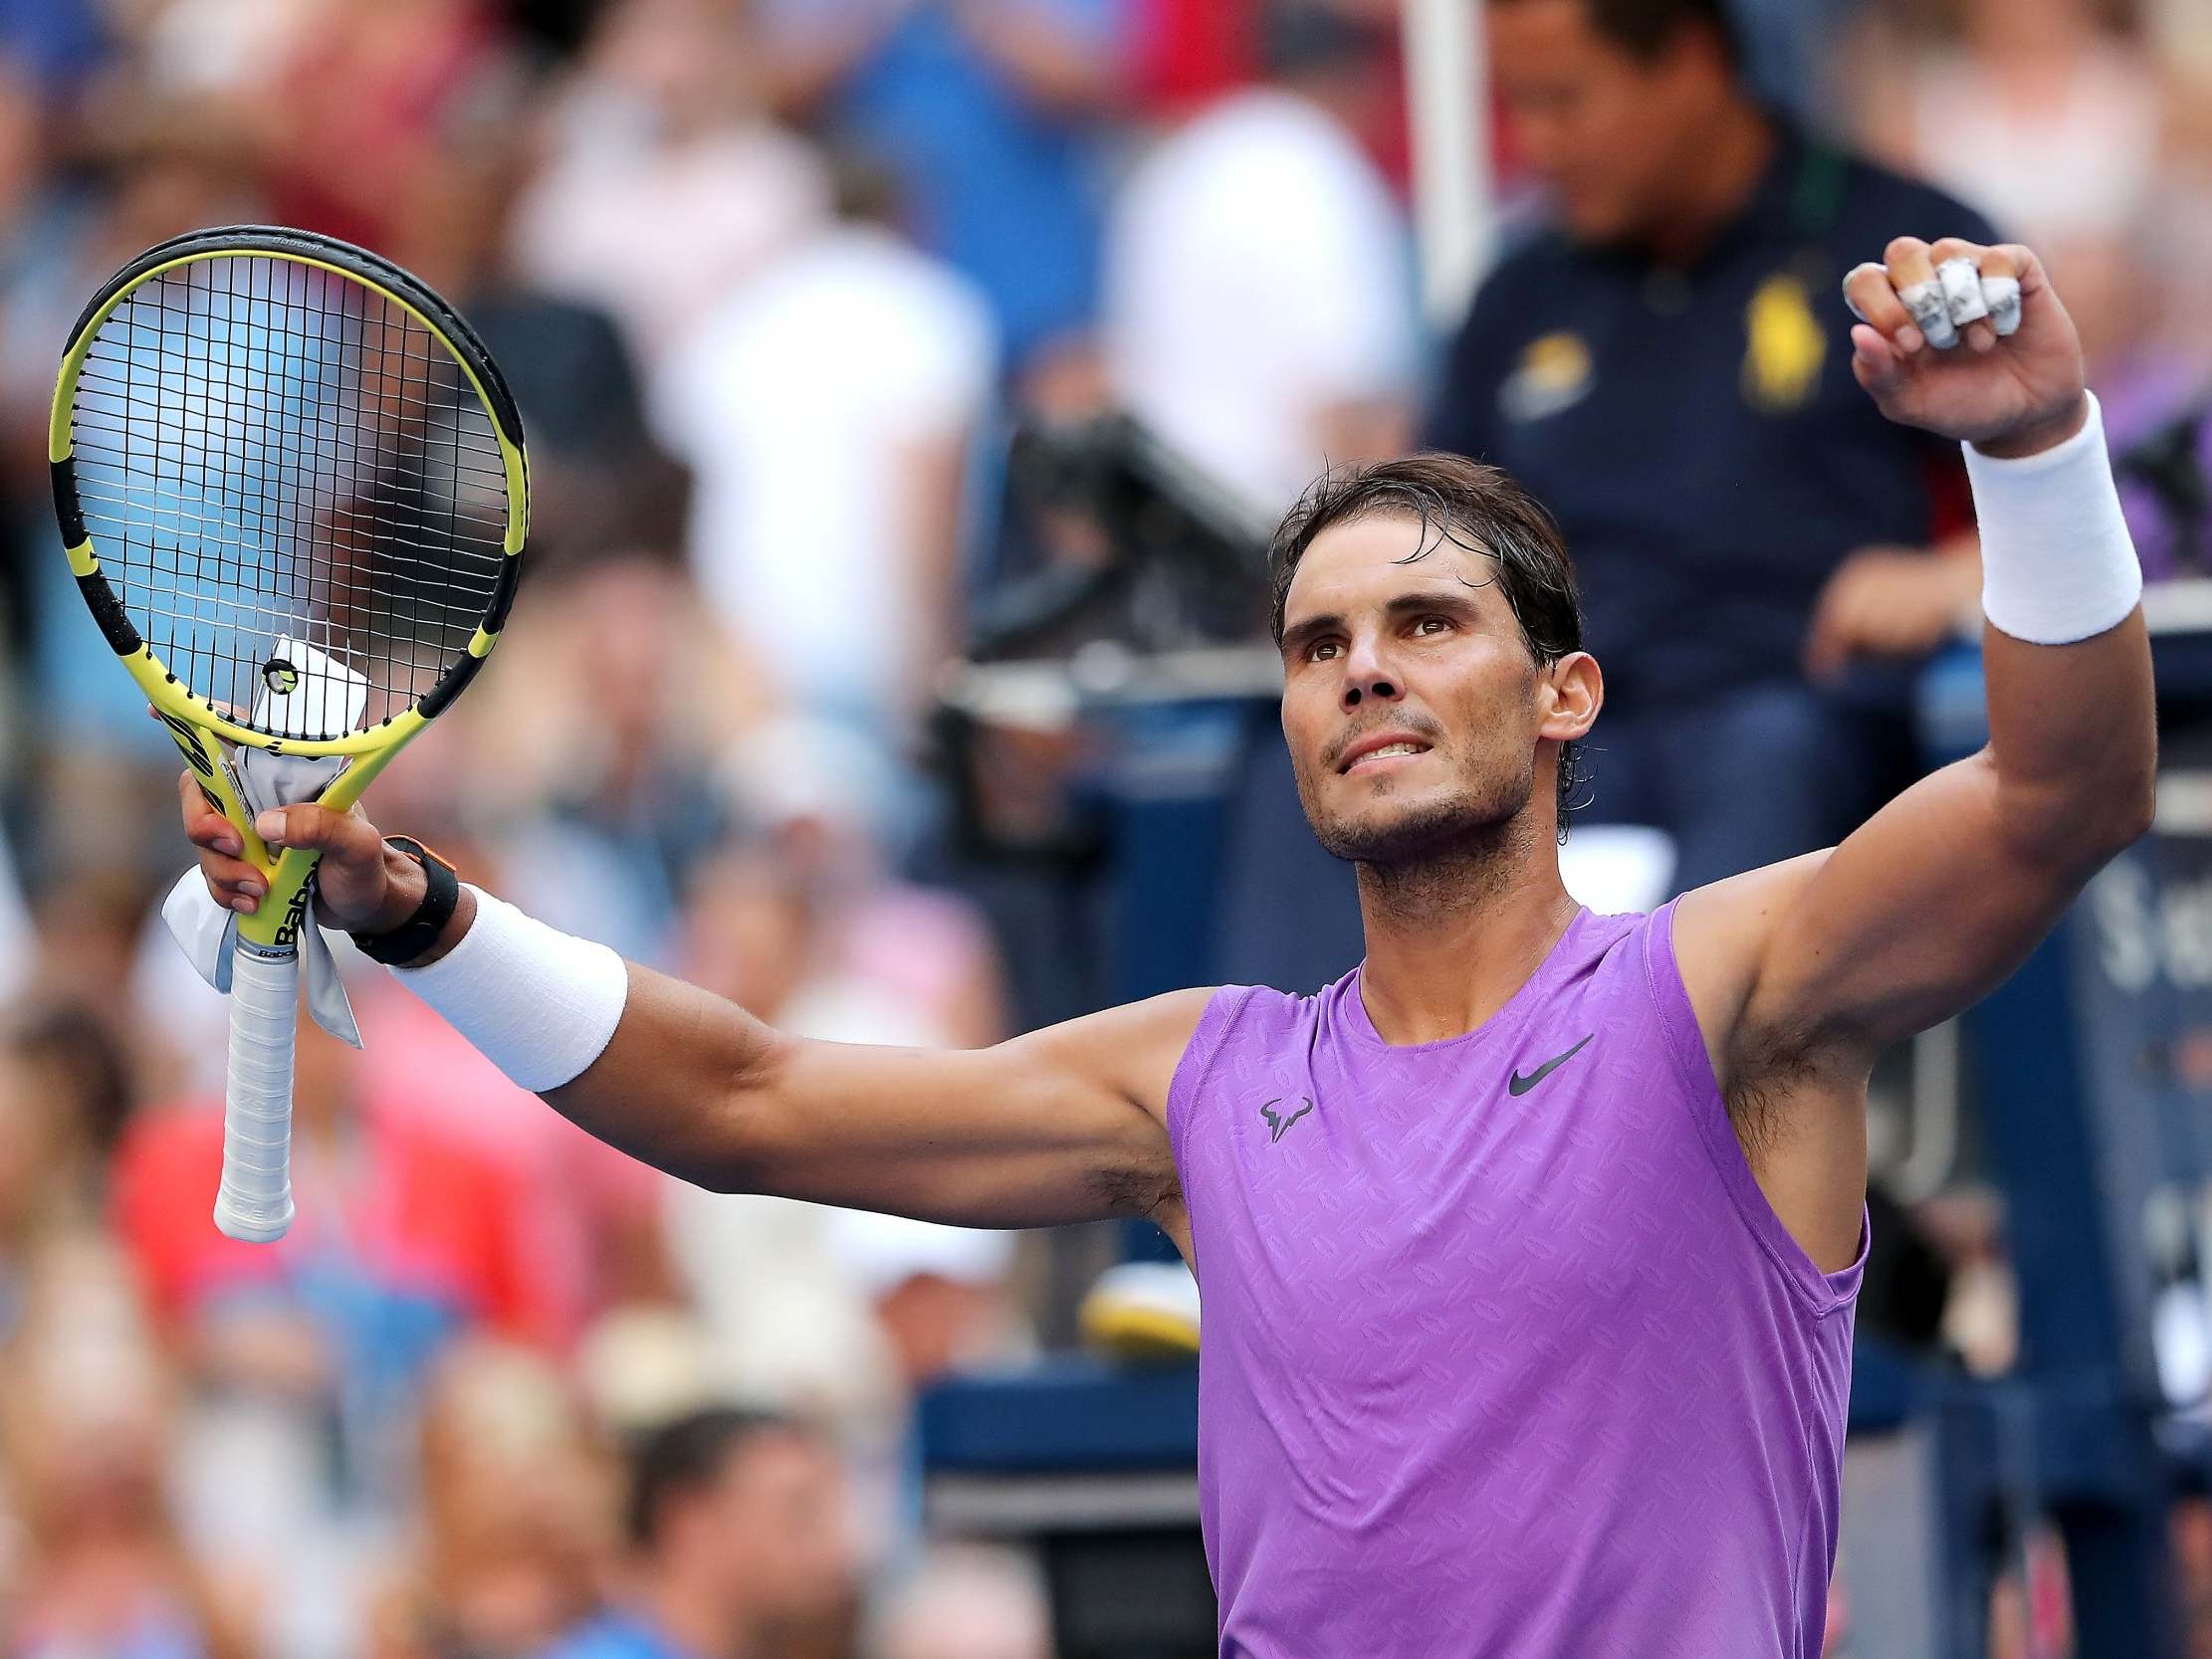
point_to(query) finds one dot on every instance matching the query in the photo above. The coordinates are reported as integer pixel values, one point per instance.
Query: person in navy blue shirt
(743, 1546)
(1665, 363)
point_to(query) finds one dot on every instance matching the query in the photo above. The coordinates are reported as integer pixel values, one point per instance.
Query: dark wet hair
(1478, 508)
(1645, 28)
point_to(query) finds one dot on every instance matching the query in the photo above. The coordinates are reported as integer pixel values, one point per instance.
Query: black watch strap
(420, 930)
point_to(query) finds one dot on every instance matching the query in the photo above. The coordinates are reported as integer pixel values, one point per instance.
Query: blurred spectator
(63, 1094)
(787, 1294)
(590, 1217)
(741, 1547)
(601, 736)
(2041, 112)
(516, 1531)
(941, 1294)
(404, 1239)
(102, 1571)
(1259, 300)
(369, 77)
(1665, 365)
(667, 185)
(641, 1367)
(2129, 301)
(403, 1236)
(306, 1357)
(995, 112)
(73, 239)
(57, 42)
(965, 1604)
(1189, 52)
(596, 479)
(826, 408)
(822, 806)
(839, 1314)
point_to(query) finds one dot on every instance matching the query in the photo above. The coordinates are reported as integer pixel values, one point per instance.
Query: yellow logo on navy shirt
(1555, 373)
(1785, 347)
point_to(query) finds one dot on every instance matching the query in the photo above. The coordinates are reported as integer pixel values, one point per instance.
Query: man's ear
(1577, 692)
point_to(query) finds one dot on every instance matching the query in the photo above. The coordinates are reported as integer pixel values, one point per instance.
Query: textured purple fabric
(1488, 1375)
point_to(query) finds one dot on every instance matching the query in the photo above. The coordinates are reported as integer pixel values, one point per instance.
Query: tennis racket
(291, 486)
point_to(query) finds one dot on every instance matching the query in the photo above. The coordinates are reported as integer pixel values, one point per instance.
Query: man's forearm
(2073, 737)
(672, 1085)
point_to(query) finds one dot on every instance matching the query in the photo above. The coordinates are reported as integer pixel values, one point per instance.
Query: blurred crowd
(774, 282)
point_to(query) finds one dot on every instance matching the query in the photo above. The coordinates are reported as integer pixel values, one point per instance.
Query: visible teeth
(1393, 748)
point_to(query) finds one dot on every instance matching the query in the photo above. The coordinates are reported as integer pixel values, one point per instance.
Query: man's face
(1424, 655)
(1608, 133)
(782, 1525)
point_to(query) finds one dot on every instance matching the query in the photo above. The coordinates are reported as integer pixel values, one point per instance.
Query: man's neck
(1451, 940)
(1732, 161)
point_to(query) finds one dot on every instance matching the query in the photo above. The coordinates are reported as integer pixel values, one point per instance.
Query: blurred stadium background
(911, 384)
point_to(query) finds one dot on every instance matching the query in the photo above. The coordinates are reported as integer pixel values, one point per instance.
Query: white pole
(1448, 86)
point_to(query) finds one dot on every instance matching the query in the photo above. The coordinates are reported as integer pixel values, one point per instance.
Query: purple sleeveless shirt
(1493, 1366)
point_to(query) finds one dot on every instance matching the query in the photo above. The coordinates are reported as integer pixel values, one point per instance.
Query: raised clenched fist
(1967, 342)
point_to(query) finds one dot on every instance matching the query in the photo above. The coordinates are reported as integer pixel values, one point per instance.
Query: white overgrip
(254, 1202)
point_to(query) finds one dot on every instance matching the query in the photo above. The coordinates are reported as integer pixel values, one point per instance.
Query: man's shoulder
(1721, 935)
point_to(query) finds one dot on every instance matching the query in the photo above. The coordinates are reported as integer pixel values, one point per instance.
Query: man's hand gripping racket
(292, 490)
(361, 885)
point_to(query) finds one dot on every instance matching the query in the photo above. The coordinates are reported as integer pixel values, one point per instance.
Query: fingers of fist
(1940, 296)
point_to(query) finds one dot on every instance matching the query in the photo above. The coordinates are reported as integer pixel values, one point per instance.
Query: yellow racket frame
(192, 720)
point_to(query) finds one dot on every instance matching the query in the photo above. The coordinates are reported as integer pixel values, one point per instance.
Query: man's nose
(1368, 675)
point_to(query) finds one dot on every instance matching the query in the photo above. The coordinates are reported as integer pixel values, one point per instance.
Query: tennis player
(1530, 1247)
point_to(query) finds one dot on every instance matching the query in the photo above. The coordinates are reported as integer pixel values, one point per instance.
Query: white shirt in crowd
(2081, 165)
(653, 232)
(801, 402)
(1257, 275)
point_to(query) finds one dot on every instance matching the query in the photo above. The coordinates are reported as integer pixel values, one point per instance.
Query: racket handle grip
(254, 1202)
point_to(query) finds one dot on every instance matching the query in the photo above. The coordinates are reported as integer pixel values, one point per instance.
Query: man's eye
(1432, 625)
(1320, 650)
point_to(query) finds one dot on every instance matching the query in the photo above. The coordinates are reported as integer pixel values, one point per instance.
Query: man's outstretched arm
(1062, 1124)
(1801, 972)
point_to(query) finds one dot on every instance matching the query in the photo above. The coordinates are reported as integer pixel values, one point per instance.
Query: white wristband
(539, 1003)
(2058, 563)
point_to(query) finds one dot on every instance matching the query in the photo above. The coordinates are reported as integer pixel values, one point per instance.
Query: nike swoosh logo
(1519, 1085)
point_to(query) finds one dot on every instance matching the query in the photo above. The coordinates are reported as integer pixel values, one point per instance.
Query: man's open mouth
(1395, 749)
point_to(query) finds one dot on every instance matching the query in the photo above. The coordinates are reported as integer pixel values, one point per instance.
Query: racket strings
(270, 450)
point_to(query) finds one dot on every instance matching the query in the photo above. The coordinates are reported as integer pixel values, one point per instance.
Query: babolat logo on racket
(296, 915)
(280, 675)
